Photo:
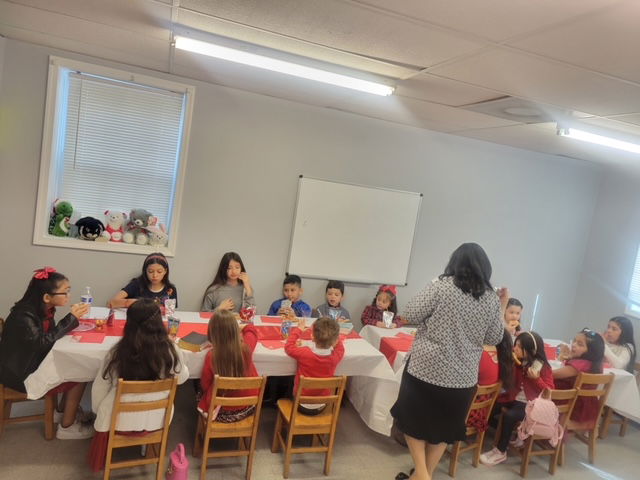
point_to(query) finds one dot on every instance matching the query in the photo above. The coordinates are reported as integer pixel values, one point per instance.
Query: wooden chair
(322, 427)
(483, 400)
(611, 417)
(8, 396)
(590, 385)
(152, 439)
(536, 445)
(245, 430)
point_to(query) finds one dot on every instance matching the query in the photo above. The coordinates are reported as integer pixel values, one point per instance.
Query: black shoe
(402, 476)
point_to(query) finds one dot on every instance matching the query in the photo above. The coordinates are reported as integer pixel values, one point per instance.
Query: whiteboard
(352, 233)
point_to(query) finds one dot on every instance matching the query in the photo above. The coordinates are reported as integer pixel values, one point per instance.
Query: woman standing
(456, 315)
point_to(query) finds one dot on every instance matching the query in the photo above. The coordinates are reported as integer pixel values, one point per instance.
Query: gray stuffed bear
(139, 220)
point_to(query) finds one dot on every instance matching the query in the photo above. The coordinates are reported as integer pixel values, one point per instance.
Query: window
(633, 299)
(113, 141)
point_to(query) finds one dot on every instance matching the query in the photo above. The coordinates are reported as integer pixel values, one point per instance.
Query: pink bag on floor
(178, 464)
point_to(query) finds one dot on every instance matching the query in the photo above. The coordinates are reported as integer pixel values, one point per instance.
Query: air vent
(518, 110)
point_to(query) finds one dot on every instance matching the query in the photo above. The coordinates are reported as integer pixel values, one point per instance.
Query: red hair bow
(43, 273)
(392, 289)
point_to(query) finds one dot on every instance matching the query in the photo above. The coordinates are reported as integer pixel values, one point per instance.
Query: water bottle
(285, 328)
(87, 298)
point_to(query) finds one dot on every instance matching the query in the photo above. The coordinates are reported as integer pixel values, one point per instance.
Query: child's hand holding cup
(387, 318)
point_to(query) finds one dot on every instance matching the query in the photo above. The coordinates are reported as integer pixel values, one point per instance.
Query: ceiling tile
(442, 90)
(545, 81)
(601, 43)
(344, 26)
(493, 19)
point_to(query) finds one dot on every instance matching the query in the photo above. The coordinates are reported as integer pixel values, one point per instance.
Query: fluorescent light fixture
(599, 139)
(267, 63)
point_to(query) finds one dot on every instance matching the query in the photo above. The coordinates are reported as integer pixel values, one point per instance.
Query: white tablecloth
(373, 398)
(69, 360)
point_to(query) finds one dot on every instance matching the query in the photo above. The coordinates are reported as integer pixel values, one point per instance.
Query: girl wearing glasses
(585, 354)
(30, 332)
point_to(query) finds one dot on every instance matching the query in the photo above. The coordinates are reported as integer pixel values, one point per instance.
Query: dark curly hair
(470, 268)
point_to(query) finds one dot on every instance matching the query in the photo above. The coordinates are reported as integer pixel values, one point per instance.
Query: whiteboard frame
(351, 280)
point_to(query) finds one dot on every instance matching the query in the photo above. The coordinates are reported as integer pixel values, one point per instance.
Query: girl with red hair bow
(385, 300)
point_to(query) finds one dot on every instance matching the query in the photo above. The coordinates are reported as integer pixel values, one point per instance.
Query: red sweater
(250, 338)
(532, 386)
(312, 364)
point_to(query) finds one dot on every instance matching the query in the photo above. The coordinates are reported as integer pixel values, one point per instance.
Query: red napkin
(268, 332)
(266, 319)
(390, 346)
(407, 336)
(186, 328)
(550, 351)
(116, 330)
(351, 334)
(273, 344)
(206, 315)
(89, 337)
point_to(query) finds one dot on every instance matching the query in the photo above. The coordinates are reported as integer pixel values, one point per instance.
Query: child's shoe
(493, 457)
(75, 431)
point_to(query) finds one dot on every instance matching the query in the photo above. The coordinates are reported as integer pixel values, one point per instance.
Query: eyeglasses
(61, 293)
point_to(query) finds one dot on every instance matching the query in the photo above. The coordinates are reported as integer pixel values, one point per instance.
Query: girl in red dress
(585, 355)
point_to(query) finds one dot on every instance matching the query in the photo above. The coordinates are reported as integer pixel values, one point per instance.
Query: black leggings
(514, 413)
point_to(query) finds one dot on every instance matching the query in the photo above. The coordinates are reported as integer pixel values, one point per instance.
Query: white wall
(531, 212)
(611, 254)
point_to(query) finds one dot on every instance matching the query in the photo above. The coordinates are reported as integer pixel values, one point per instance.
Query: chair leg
(561, 455)
(275, 445)
(606, 422)
(623, 427)
(107, 464)
(160, 471)
(553, 459)
(1, 409)
(252, 449)
(592, 446)
(287, 454)
(205, 451)
(526, 456)
(197, 442)
(328, 457)
(49, 408)
(453, 460)
(478, 450)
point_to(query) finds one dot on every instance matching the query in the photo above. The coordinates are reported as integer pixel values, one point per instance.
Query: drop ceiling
(445, 57)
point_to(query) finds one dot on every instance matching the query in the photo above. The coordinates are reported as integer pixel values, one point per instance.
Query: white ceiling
(576, 55)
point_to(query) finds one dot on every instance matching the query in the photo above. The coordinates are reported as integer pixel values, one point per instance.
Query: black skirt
(431, 413)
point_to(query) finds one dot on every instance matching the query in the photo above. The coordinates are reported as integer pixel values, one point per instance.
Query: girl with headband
(384, 301)
(153, 283)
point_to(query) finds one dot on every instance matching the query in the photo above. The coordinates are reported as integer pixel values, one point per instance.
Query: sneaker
(493, 457)
(517, 443)
(75, 431)
(81, 416)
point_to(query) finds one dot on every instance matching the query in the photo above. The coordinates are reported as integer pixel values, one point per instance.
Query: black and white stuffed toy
(89, 228)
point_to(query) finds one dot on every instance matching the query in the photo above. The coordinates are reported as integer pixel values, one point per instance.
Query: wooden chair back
(322, 426)
(245, 430)
(156, 438)
(483, 402)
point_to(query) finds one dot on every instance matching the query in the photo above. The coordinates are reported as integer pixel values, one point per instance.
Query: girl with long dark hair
(231, 287)
(620, 346)
(30, 332)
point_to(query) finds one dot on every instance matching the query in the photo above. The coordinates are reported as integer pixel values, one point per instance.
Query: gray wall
(611, 254)
(531, 212)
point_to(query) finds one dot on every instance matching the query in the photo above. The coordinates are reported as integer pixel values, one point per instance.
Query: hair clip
(392, 289)
(43, 273)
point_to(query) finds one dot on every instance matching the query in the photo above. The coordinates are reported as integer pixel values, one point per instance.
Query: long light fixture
(267, 63)
(598, 139)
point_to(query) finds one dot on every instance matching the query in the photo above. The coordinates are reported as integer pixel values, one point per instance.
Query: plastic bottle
(87, 297)
(285, 328)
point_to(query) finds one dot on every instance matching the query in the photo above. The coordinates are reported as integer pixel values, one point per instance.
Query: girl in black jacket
(30, 332)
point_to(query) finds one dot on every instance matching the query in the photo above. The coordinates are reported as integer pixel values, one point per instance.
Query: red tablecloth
(390, 346)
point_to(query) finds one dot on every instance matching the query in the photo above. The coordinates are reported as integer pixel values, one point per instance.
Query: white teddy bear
(115, 222)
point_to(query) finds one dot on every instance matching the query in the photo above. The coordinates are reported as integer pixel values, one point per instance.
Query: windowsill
(632, 313)
(117, 247)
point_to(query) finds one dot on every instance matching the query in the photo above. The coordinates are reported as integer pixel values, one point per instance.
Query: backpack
(541, 418)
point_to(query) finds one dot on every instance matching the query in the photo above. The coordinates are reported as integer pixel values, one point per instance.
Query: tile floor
(359, 454)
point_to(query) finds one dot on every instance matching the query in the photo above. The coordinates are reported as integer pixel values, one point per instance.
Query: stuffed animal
(63, 210)
(158, 236)
(89, 228)
(114, 229)
(52, 216)
(139, 220)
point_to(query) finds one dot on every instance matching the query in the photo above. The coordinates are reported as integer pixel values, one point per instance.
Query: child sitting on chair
(318, 360)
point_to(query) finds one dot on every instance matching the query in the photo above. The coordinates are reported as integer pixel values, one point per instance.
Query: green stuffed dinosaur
(63, 214)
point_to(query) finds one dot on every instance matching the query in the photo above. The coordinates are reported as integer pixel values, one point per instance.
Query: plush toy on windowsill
(115, 222)
(139, 220)
(89, 228)
(158, 236)
(63, 210)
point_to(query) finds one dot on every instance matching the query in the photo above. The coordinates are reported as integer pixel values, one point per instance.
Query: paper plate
(84, 327)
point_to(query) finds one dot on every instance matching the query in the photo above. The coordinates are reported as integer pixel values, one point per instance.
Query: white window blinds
(121, 147)
(634, 288)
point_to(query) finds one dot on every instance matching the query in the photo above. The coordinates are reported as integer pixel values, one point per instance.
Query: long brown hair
(229, 351)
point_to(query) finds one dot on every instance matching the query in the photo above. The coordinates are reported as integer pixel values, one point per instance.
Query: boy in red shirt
(318, 360)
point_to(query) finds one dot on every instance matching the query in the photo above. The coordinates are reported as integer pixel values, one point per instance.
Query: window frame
(52, 138)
